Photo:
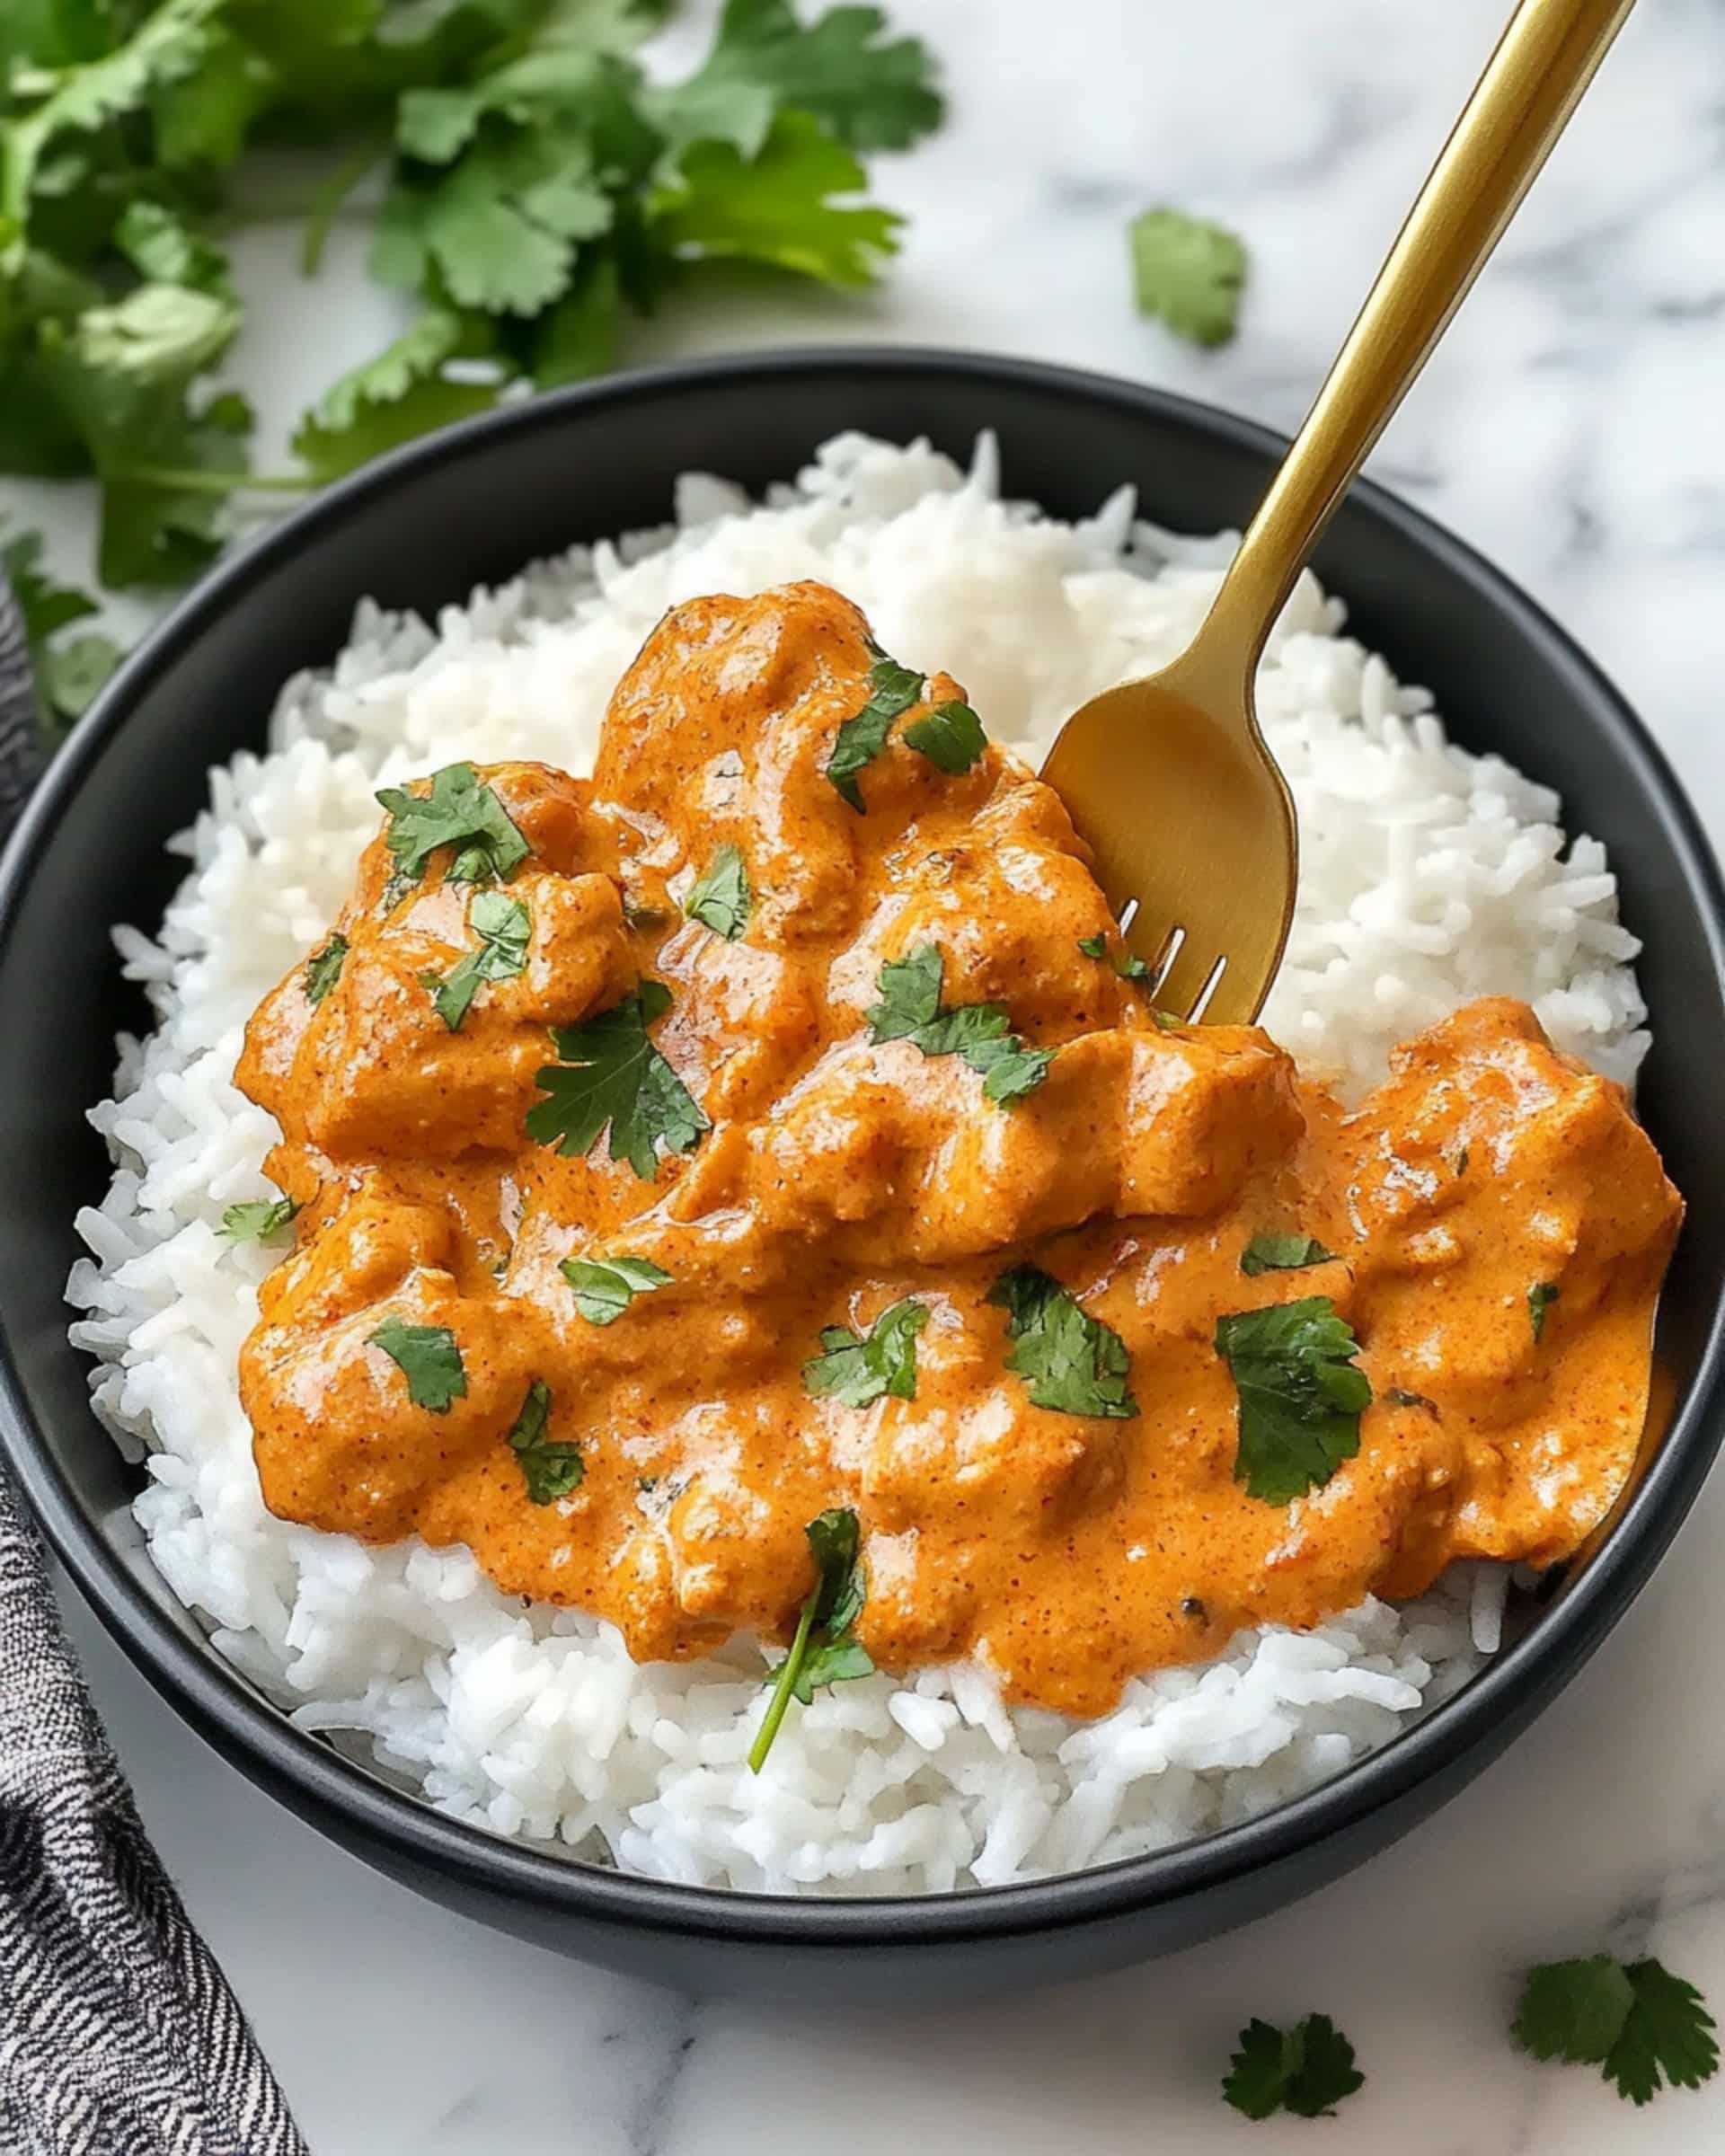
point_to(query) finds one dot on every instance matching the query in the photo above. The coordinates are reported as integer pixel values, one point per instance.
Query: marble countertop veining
(1573, 426)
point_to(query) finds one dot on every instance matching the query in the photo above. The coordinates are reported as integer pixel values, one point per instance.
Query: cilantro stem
(212, 482)
(326, 201)
(785, 1685)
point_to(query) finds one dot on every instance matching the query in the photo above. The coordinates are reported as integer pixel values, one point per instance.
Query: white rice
(1430, 876)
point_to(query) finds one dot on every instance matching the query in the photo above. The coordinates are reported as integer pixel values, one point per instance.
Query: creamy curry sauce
(839, 1175)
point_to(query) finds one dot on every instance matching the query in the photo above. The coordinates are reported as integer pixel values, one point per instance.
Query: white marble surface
(1572, 427)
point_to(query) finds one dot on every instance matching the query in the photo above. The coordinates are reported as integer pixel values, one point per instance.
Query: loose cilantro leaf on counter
(910, 1009)
(1282, 1254)
(1306, 2070)
(258, 1219)
(858, 1369)
(324, 967)
(67, 672)
(721, 900)
(1127, 967)
(825, 1650)
(1189, 272)
(1300, 1395)
(872, 95)
(404, 392)
(550, 1469)
(1539, 1298)
(775, 207)
(950, 736)
(611, 1072)
(1070, 1362)
(1639, 2024)
(455, 810)
(604, 1287)
(504, 927)
(893, 689)
(428, 1357)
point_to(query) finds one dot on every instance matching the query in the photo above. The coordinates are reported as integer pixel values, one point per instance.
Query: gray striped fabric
(118, 2035)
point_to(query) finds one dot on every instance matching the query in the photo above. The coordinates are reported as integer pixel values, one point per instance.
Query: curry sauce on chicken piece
(767, 1126)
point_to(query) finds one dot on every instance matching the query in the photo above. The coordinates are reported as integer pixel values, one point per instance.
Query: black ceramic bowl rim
(213, 1694)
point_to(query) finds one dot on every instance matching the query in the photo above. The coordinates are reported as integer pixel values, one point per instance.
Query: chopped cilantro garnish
(1539, 1298)
(549, 1469)
(1639, 2024)
(258, 1219)
(950, 736)
(1282, 1254)
(455, 810)
(858, 1369)
(503, 926)
(1070, 1362)
(1307, 2069)
(893, 689)
(1127, 967)
(323, 968)
(611, 1072)
(1300, 1395)
(825, 1650)
(910, 1009)
(1189, 272)
(428, 1357)
(723, 900)
(604, 1287)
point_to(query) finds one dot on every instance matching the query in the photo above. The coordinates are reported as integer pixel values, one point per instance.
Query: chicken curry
(749, 1190)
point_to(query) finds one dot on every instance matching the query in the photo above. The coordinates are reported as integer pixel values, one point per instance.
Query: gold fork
(1169, 779)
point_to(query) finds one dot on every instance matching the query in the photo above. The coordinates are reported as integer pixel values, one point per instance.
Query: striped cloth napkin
(118, 2035)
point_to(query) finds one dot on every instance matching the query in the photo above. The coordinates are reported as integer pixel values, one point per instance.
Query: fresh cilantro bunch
(537, 187)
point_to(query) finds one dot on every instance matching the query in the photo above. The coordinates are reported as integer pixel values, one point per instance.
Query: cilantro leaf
(501, 225)
(775, 207)
(66, 672)
(1669, 2032)
(1640, 2025)
(604, 1287)
(324, 967)
(549, 1469)
(455, 810)
(428, 1357)
(1282, 1254)
(611, 1072)
(163, 250)
(857, 1369)
(1300, 1395)
(874, 96)
(403, 392)
(892, 691)
(504, 927)
(1071, 1363)
(950, 736)
(258, 1219)
(1306, 2070)
(168, 44)
(723, 900)
(1126, 965)
(910, 1009)
(1189, 272)
(1539, 1298)
(825, 1650)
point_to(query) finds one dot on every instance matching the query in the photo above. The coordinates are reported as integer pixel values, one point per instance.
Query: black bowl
(470, 506)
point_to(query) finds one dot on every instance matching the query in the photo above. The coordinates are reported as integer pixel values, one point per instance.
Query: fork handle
(1519, 107)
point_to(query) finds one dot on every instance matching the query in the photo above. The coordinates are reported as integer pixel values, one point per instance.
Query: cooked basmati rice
(1429, 877)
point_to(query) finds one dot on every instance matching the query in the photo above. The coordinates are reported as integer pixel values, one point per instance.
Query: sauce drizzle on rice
(893, 1082)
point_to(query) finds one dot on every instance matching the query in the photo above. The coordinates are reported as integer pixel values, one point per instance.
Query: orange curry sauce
(839, 1175)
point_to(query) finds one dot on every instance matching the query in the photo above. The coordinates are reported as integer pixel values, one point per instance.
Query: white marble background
(1572, 427)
